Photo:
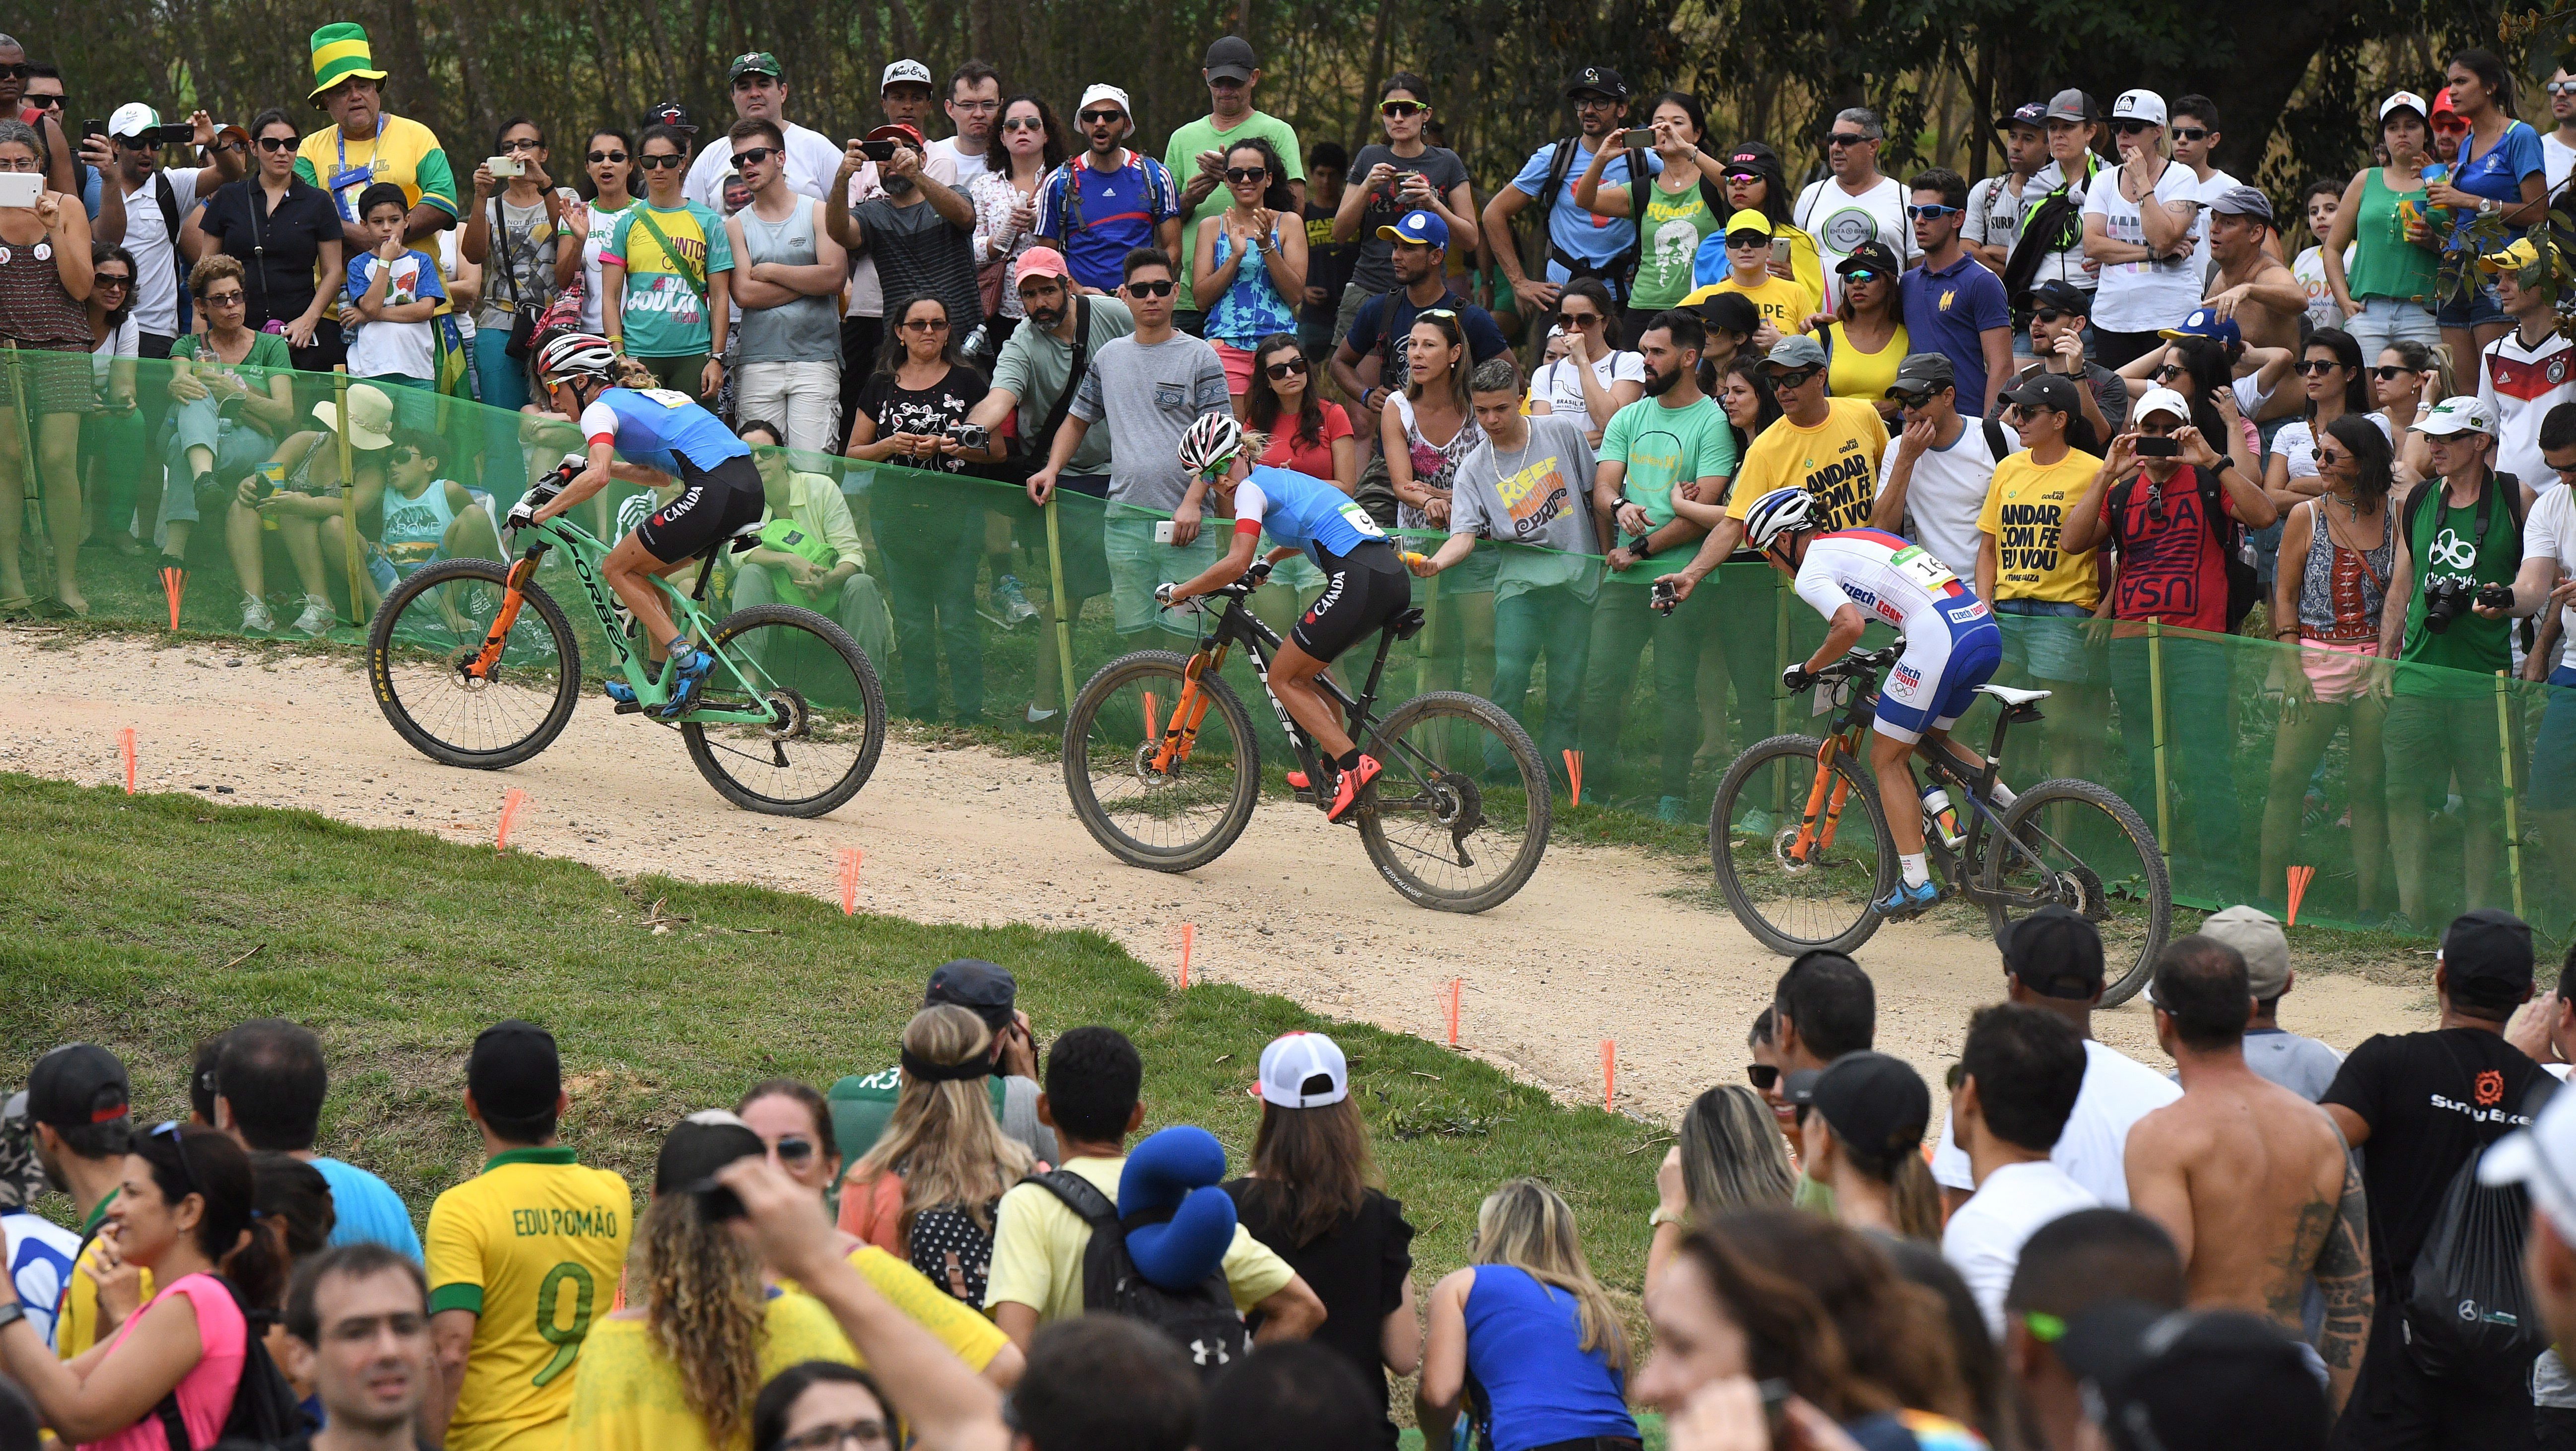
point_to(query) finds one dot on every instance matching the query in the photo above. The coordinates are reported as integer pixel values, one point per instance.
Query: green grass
(148, 923)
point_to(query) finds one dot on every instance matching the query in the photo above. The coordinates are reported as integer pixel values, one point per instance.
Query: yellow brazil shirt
(533, 1246)
(2025, 506)
(402, 151)
(959, 1326)
(1784, 304)
(630, 1397)
(76, 1314)
(1837, 461)
(1038, 1242)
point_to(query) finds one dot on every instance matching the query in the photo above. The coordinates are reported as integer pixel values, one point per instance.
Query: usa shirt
(1101, 216)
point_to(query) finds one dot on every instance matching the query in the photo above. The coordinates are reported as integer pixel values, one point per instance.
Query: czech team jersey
(1306, 512)
(533, 1246)
(1893, 581)
(658, 427)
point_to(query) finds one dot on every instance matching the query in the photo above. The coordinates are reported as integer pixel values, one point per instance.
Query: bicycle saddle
(745, 538)
(2012, 697)
(1409, 624)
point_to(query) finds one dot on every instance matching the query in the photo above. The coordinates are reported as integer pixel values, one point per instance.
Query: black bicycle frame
(1859, 712)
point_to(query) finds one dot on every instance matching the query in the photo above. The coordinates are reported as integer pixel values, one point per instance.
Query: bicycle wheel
(826, 714)
(1175, 819)
(432, 626)
(2085, 849)
(1458, 818)
(1793, 902)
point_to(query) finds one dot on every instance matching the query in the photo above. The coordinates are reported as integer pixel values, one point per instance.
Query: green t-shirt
(268, 353)
(1662, 447)
(664, 314)
(2445, 543)
(1181, 158)
(1676, 222)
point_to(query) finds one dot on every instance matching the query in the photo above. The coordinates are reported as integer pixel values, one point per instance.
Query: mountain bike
(1799, 839)
(1161, 763)
(475, 665)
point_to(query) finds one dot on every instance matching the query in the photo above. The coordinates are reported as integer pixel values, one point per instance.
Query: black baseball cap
(1752, 158)
(1230, 58)
(699, 1145)
(1730, 312)
(2028, 113)
(1923, 373)
(2486, 954)
(2056, 952)
(970, 982)
(1871, 256)
(2047, 390)
(76, 1085)
(2061, 294)
(671, 114)
(1876, 1103)
(1599, 80)
(514, 1071)
(2176, 1378)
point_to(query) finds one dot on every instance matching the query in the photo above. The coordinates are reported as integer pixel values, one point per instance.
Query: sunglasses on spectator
(1863, 274)
(833, 1438)
(661, 163)
(924, 324)
(1292, 368)
(1932, 213)
(1846, 138)
(111, 279)
(2314, 367)
(795, 1150)
(49, 103)
(2328, 458)
(2048, 314)
(2189, 133)
(1582, 319)
(524, 144)
(168, 1128)
(234, 298)
(1764, 1075)
(1904, 399)
(1024, 123)
(403, 453)
(2132, 128)
(276, 143)
(1239, 175)
(2390, 373)
(1398, 110)
(2562, 88)
(221, 147)
(2169, 372)
(1793, 378)
(599, 156)
(1148, 289)
(754, 156)
(2450, 123)
(1102, 118)
(15, 72)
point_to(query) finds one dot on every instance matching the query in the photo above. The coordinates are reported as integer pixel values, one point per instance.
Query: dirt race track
(1593, 948)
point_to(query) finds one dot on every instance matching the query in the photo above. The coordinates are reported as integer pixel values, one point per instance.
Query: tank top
(1251, 308)
(1434, 464)
(2384, 263)
(34, 307)
(1851, 373)
(1676, 224)
(205, 1393)
(603, 225)
(414, 528)
(807, 330)
(1524, 1351)
(2342, 589)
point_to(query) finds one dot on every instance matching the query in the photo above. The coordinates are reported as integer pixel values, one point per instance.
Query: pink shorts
(1238, 367)
(2336, 672)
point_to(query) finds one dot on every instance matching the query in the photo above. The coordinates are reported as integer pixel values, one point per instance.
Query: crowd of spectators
(976, 1242)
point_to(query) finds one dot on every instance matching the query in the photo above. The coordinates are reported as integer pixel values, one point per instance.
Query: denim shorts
(2475, 310)
(2047, 642)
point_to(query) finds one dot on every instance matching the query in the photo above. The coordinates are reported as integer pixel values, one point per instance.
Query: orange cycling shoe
(1296, 780)
(1348, 791)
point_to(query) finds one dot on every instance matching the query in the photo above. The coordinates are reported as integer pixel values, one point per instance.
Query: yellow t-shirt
(2025, 505)
(1851, 373)
(959, 1326)
(533, 1246)
(1837, 461)
(403, 151)
(1038, 1243)
(1784, 304)
(630, 1398)
(76, 1315)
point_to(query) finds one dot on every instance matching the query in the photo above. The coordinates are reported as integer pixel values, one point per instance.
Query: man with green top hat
(364, 145)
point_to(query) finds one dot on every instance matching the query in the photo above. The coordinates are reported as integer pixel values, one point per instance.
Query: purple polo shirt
(1948, 311)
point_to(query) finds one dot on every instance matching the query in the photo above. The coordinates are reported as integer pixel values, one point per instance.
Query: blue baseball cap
(1423, 228)
(2203, 323)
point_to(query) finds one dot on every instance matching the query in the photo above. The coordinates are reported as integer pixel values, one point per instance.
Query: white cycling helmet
(1781, 511)
(1210, 442)
(577, 355)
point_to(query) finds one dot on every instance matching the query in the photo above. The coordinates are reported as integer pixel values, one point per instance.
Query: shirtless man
(2251, 286)
(2251, 1180)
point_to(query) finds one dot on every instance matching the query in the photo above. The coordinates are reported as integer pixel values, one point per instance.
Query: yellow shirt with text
(631, 1399)
(1837, 461)
(2025, 507)
(1784, 304)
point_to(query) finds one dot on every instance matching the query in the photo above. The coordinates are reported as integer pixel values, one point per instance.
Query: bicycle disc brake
(788, 720)
(1458, 804)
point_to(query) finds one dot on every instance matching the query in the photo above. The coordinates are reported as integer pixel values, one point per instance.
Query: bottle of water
(1939, 818)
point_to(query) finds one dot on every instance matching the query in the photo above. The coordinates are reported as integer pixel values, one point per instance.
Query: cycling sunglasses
(1793, 378)
(1932, 213)
(1398, 110)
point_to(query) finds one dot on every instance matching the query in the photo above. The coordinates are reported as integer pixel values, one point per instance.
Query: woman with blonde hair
(929, 1188)
(1532, 1327)
(1727, 1154)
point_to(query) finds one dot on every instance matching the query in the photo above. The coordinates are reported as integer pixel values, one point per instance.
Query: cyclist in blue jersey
(1365, 581)
(649, 436)
(1952, 646)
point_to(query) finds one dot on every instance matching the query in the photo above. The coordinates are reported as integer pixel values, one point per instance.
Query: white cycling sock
(1916, 874)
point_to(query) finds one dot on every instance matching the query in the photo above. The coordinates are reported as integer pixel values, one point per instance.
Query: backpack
(2500, 485)
(1201, 1320)
(2467, 1305)
(168, 200)
(1622, 271)
(265, 1411)
(2234, 546)
(2044, 227)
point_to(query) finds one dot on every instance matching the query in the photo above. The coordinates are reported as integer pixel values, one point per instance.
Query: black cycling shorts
(1362, 591)
(712, 504)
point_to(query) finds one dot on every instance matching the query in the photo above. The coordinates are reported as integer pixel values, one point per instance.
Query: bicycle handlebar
(1860, 660)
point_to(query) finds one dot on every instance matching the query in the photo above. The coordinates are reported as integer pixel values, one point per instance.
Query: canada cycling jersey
(660, 428)
(1303, 511)
(1951, 643)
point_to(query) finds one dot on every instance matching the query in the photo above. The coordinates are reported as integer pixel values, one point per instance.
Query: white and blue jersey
(1304, 512)
(1951, 643)
(662, 429)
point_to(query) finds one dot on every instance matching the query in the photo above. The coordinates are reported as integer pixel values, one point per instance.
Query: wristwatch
(2490, 207)
(2223, 465)
(11, 1311)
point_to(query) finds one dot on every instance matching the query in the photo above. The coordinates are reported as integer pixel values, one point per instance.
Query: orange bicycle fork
(480, 667)
(1181, 732)
(1813, 836)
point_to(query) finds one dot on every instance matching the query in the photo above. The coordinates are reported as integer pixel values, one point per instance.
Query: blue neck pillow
(1178, 1222)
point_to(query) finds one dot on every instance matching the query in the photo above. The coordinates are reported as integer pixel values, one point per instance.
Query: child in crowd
(427, 517)
(391, 294)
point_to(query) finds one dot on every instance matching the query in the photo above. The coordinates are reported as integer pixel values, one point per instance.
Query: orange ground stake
(174, 587)
(2299, 879)
(125, 748)
(850, 859)
(1609, 1070)
(1574, 775)
(510, 805)
(1189, 939)
(1451, 1003)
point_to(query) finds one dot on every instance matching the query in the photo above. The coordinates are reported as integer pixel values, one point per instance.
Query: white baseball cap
(2160, 400)
(1293, 1062)
(132, 119)
(904, 71)
(2139, 106)
(2542, 1159)
(2459, 413)
(2405, 101)
(1105, 92)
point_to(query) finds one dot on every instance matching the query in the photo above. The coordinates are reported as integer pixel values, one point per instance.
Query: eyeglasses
(2132, 128)
(2387, 373)
(275, 144)
(793, 1149)
(1024, 123)
(1241, 175)
(975, 108)
(2315, 367)
(1764, 1075)
(1281, 372)
(1846, 138)
(832, 1438)
(1149, 289)
(1794, 378)
(1399, 110)
(755, 156)
(523, 144)
(2190, 133)
(924, 324)
(597, 157)
(1582, 319)
(661, 163)
(168, 1128)
(1931, 213)
(1102, 118)
(215, 299)
(110, 279)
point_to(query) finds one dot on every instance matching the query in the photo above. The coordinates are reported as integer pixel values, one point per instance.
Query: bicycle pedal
(630, 707)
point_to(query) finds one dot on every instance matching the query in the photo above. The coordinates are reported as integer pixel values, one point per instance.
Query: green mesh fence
(2411, 790)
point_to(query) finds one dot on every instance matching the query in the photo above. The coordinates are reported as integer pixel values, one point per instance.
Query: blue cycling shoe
(621, 692)
(688, 679)
(1907, 901)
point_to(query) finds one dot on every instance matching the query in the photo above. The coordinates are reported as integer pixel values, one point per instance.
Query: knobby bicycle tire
(404, 691)
(710, 755)
(1456, 802)
(2121, 884)
(1165, 668)
(1833, 928)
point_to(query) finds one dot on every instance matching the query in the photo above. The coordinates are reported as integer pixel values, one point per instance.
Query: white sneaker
(1040, 717)
(318, 618)
(256, 619)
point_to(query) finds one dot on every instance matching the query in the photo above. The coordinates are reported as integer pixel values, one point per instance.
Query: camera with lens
(2445, 600)
(970, 435)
